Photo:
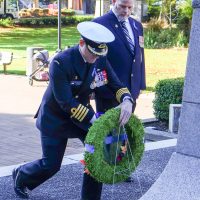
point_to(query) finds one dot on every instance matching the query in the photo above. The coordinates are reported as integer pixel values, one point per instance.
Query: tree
(184, 19)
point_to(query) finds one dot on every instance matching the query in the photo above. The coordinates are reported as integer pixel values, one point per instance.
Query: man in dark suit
(65, 111)
(125, 53)
(127, 60)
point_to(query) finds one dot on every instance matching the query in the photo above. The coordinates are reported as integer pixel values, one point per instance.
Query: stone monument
(180, 179)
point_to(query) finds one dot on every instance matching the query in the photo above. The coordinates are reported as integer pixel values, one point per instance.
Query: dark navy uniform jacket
(129, 68)
(65, 107)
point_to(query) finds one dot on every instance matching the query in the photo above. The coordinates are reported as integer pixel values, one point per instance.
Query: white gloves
(126, 111)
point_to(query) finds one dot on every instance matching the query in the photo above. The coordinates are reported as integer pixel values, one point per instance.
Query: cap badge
(102, 46)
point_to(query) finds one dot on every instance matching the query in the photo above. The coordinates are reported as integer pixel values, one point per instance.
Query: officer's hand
(126, 111)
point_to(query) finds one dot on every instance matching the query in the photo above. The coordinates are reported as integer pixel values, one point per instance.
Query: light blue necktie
(123, 25)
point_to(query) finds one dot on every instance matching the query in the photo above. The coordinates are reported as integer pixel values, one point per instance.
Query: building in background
(84, 6)
(97, 7)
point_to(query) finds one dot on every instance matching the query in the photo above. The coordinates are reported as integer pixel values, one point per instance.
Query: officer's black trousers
(35, 173)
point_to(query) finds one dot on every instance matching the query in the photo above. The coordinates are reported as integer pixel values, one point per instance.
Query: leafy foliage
(165, 38)
(162, 9)
(98, 167)
(39, 12)
(6, 22)
(185, 18)
(168, 91)
(156, 24)
(153, 8)
(52, 21)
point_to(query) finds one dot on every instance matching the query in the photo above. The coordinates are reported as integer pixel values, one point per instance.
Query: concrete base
(174, 116)
(180, 180)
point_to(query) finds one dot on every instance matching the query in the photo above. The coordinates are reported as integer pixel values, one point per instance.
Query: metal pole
(59, 25)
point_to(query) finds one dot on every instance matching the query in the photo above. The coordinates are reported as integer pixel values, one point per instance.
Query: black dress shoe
(129, 180)
(20, 189)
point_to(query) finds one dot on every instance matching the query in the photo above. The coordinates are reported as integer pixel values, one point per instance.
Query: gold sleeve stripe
(86, 112)
(120, 92)
(81, 113)
(76, 110)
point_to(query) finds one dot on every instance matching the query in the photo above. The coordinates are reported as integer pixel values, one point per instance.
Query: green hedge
(6, 23)
(53, 21)
(168, 91)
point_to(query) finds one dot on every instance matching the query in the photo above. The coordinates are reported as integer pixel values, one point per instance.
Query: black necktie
(123, 25)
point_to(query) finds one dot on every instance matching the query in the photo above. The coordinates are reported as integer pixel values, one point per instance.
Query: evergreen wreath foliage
(106, 172)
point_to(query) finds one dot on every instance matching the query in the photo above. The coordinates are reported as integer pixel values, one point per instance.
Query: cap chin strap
(97, 53)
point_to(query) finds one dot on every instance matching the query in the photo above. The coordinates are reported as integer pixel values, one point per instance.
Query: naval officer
(65, 110)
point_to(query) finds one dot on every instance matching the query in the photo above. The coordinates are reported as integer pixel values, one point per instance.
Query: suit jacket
(129, 68)
(65, 108)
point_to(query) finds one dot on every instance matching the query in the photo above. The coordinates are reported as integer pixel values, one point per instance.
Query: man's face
(91, 58)
(123, 8)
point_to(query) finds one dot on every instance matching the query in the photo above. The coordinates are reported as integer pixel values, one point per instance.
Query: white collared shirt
(128, 26)
(82, 55)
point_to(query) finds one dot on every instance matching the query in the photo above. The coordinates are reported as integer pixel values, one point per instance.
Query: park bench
(5, 59)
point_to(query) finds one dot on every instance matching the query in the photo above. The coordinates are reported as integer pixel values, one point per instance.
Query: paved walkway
(66, 184)
(19, 101)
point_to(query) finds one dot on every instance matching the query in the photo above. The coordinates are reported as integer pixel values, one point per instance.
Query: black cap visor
(99, 49)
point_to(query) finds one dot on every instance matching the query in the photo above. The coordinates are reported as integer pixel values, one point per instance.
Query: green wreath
(95, 159)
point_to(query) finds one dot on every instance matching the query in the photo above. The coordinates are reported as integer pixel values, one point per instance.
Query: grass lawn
(163, 64)
(160, 63)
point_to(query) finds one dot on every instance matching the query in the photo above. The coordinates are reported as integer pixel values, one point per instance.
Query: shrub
(168, 91)
(150, 38)
(6, 22)
(39, 12)
(165, 38)
(156, 24)
(67, 12)
(45, 11)
(53, 21)
(82, 18)
(182, 39)
(153, 11)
